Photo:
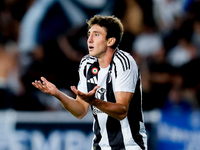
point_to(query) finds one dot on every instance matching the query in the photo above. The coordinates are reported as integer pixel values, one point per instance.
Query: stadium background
(48, 38)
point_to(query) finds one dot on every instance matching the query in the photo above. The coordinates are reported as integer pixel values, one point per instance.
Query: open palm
(45, 86)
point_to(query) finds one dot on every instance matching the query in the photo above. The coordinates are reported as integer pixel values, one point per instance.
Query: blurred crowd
(48, 38)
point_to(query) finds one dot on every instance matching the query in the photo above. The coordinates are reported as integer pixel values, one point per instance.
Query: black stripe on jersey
(97, 133)
(89, 63)
(115, 69)
(84, 70)
(89, 88)
(86, 57)
(126, 58)
(135, 115)
(121, 62)
(114, 132)
(115, 136)
(123, 59)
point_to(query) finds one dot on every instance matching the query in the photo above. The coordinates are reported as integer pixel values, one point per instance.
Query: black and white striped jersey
(121, 75)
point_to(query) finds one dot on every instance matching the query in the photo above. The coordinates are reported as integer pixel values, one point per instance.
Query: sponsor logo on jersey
(93, 80)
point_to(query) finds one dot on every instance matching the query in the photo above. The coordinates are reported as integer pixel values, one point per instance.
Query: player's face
(97, 43)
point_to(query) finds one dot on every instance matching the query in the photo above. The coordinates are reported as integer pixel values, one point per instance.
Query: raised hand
(46, 86)
(87, 97)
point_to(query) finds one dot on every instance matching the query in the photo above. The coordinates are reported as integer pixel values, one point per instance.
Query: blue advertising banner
(178, 130)
(44, 131)
(52, 137)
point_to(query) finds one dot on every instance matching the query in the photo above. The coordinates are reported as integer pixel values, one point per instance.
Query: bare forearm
(115, 110)
(74, 106)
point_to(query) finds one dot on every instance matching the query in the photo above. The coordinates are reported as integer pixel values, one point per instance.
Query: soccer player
(110, 83)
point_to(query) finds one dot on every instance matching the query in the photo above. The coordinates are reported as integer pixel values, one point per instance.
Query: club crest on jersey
(94, 70)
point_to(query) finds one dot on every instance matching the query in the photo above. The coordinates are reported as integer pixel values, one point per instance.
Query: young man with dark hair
(110, 83)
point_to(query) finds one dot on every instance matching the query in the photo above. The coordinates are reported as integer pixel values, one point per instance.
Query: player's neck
(106, 59)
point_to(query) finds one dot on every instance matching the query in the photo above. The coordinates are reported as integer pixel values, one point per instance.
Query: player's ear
(111, 41)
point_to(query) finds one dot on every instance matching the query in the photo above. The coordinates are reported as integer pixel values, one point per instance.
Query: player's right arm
(76, 107)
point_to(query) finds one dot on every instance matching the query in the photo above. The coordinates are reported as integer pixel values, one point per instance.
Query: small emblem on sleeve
(94, 70)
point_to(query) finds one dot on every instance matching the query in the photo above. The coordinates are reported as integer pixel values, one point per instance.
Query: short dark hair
(113, 25)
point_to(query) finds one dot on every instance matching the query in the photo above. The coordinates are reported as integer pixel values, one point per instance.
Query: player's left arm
(117, 110)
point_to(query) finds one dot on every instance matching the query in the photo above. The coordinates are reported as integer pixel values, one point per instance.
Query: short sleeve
(127, 79)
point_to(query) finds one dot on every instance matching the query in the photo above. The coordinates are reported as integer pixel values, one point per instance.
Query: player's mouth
(91, 48)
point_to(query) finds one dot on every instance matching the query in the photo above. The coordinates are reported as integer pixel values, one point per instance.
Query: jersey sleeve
(82, 79)
(127, 79)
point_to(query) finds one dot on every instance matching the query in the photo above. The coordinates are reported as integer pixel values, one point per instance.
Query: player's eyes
(95, 34)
